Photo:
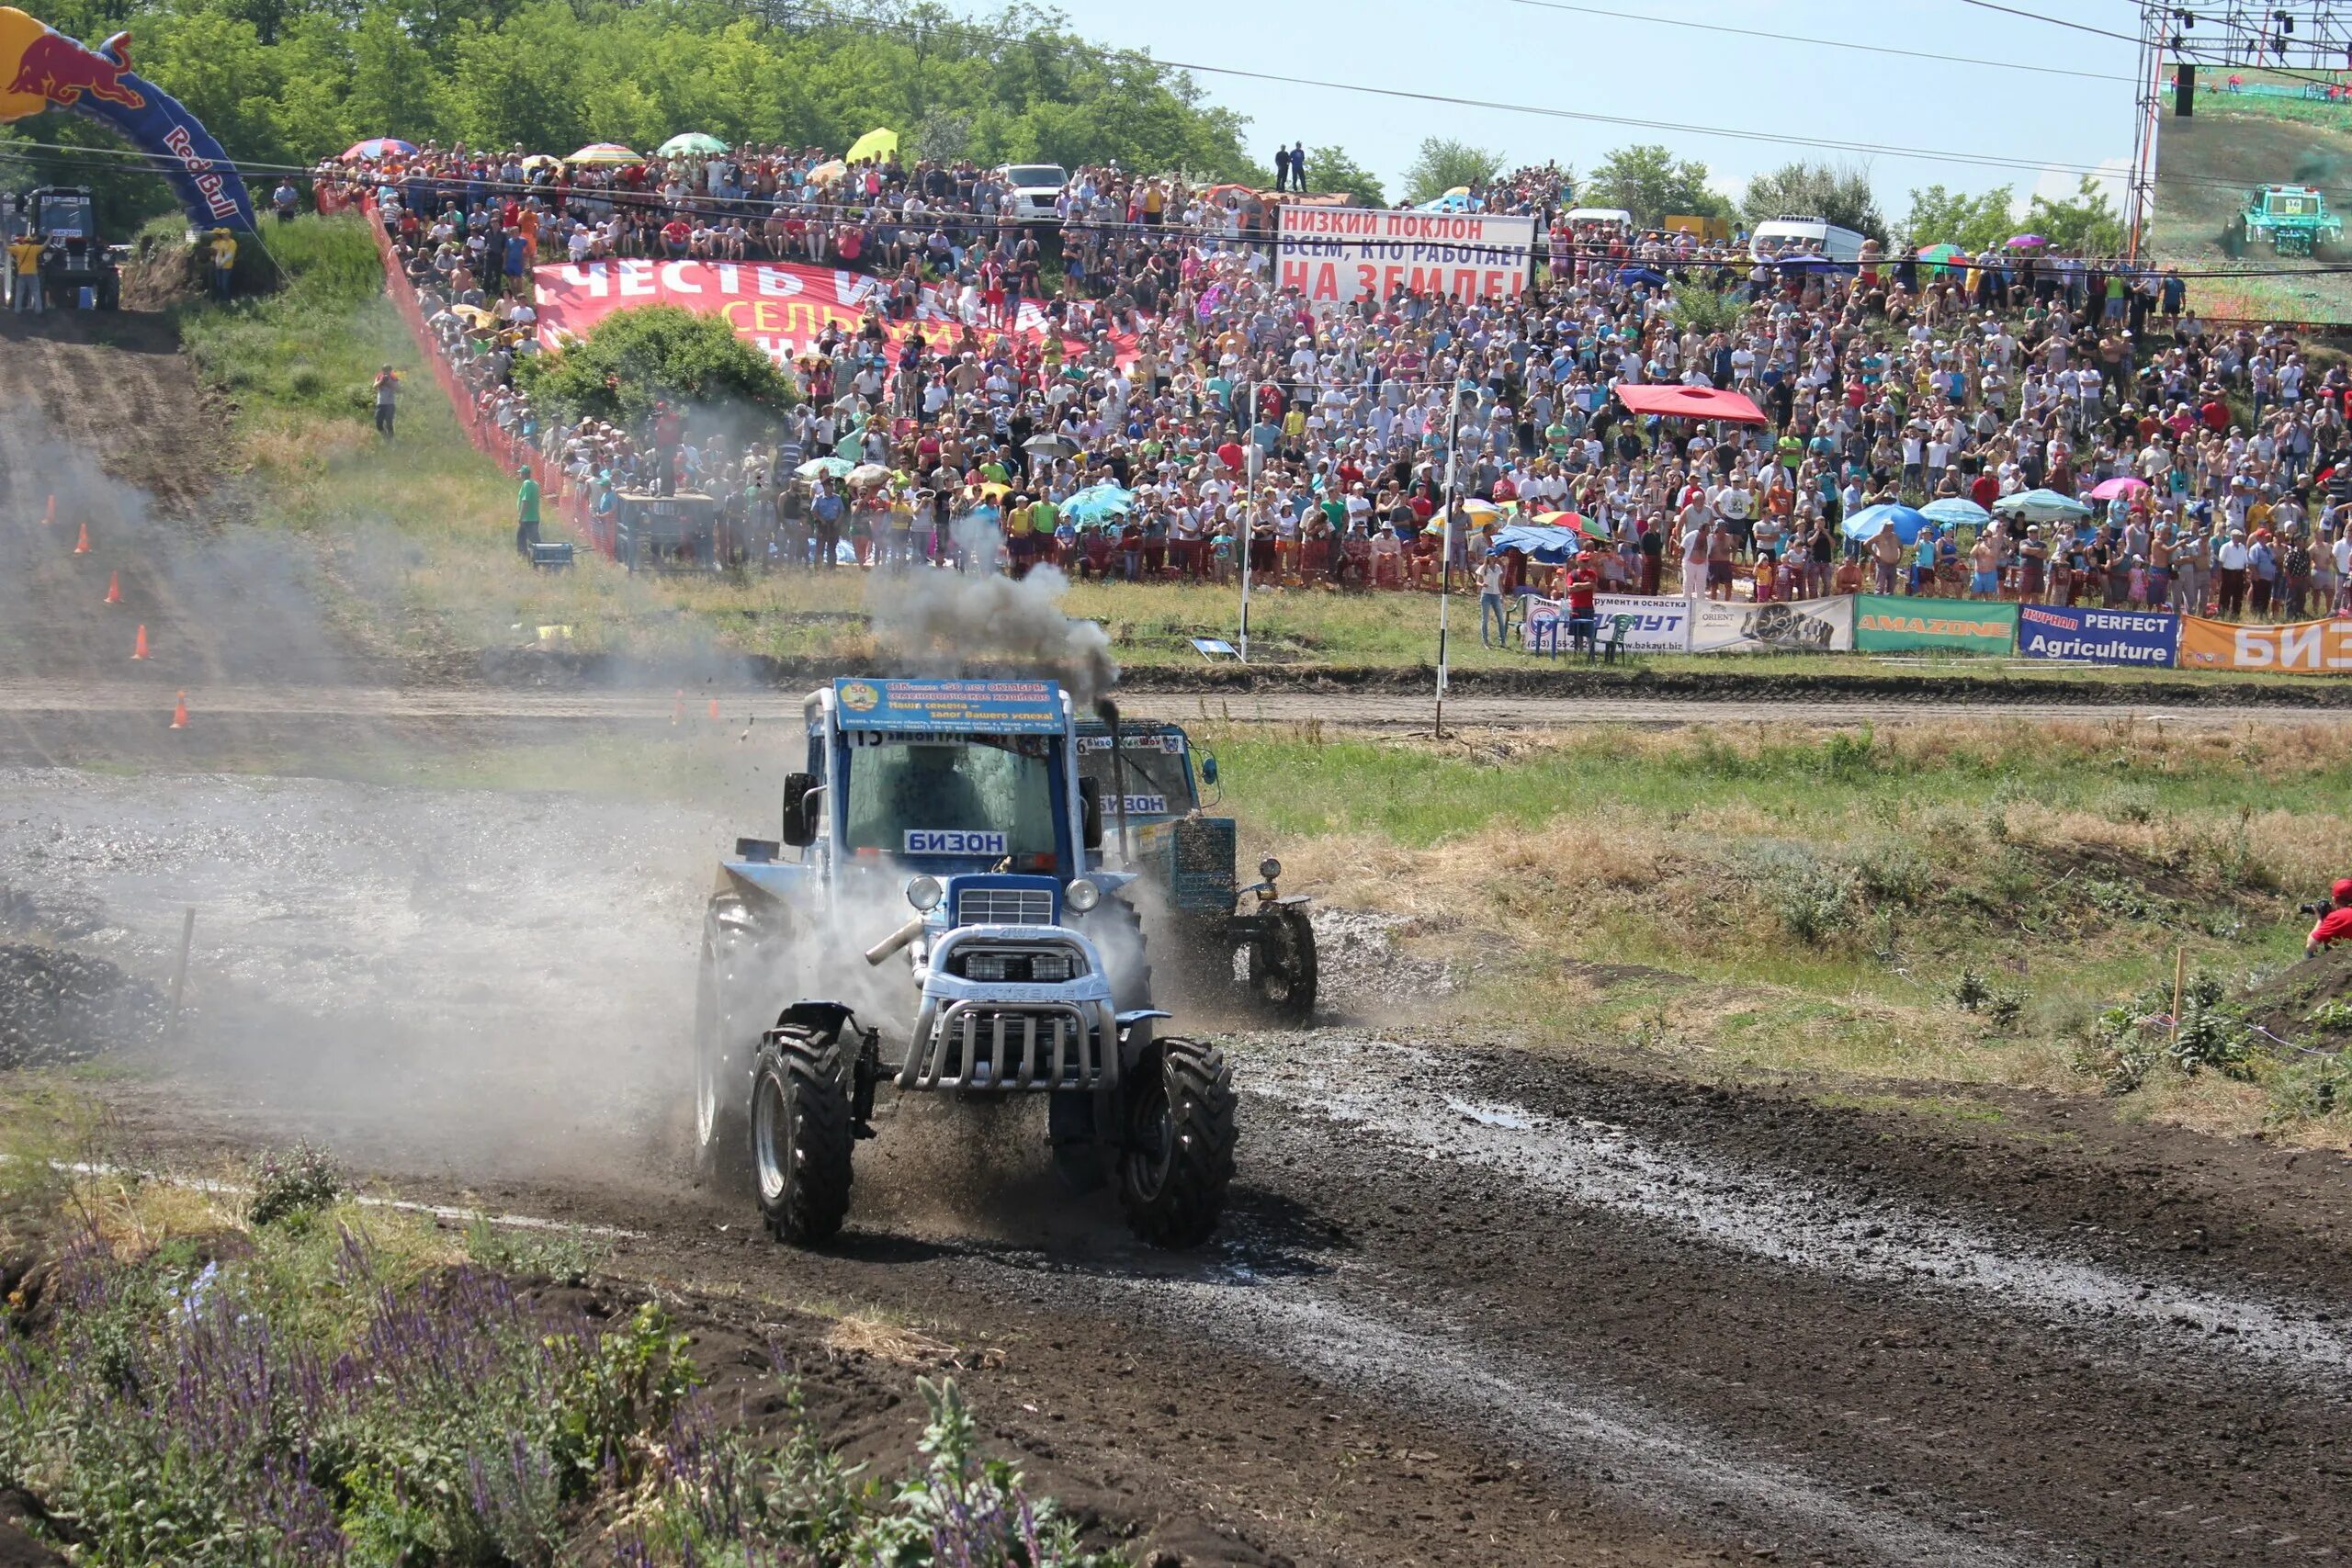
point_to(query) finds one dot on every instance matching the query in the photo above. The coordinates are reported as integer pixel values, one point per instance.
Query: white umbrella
(2040, 506)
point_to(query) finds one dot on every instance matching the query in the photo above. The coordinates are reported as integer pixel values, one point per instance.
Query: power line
(1449, 100)
(1821, 42)
(2054, 21)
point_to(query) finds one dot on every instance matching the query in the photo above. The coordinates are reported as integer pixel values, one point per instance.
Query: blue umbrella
(1537, 541)
(1650, 275)
(1865, 524)
(1957, 511)
(1096, 503)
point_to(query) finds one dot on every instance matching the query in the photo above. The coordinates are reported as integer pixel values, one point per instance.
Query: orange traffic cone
(179, 713)
(114, 588)
(82, 545)
(139, 650)
(678, 705)
(49, 515)
(714, 707)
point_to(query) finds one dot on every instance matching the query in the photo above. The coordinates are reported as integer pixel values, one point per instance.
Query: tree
(1651, 182)
(2088, 225)
(1444, 164)
(1332, 169)
(655, 352)
(1839, 196)
(1939, 216)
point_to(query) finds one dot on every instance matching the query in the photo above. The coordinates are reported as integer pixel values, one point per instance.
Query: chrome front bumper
(978, 1044)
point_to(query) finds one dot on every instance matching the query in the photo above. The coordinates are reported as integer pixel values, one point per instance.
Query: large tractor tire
(1115, 928)
(1177, 1158)
(1283, 974)
(2332, 251)
(801, 1134)
(2234, 239)
(729, 1021)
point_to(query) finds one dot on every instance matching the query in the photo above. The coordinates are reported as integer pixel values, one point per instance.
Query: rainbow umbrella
(378, 147)
(605, 152)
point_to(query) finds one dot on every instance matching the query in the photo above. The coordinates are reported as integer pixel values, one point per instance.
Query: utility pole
(1445, 537)
(1253, 460)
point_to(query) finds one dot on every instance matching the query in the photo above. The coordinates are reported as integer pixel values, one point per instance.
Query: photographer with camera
(2334, 917)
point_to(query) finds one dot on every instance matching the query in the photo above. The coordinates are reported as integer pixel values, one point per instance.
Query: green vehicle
(1187, 860)
(2285, 221)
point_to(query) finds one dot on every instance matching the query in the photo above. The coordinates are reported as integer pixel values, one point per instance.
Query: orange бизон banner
(2297, 647)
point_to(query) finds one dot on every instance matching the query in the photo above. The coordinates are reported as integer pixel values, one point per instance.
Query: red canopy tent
(1692, 402)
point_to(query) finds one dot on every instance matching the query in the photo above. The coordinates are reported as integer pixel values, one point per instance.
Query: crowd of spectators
(1167, 338)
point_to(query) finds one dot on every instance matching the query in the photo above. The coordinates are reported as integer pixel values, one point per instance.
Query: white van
(1035, 189)
(1617, 215)
(1792, 234)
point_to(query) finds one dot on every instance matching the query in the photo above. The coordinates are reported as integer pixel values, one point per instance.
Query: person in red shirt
(2336, 924)
(1584, 582)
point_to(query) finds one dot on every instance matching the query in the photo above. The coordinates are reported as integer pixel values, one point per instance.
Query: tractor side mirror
(798, 831)
(1090, 810)
(1208, 768)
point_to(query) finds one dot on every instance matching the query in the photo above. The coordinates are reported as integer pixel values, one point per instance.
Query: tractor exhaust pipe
(895, 941)
(1108, 712)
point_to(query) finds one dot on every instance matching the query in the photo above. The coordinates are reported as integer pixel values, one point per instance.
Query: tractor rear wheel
(801, 1134)
(723, 1050)
(2234, 239)
(1283, 970)
(1177, 1158)
(2330, 250)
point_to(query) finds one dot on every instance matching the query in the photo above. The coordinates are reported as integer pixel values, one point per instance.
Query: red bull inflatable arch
(42, 69)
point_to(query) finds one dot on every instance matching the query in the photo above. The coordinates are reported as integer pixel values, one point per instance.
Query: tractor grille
(974, 1047)
(1201, 853)
(1005, 907)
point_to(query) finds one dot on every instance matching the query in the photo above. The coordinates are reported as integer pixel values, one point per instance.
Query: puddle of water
(1415, 1100)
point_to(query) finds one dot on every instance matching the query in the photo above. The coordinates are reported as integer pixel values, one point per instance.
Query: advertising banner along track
(1806, 625)
(2083, 635)
(2295, 647)
(1883, 624)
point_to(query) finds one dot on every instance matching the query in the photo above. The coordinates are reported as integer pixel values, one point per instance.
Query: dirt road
(1473, 1305)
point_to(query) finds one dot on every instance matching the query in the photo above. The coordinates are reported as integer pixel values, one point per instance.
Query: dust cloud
(971, 623)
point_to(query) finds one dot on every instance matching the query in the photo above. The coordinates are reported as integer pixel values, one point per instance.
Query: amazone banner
(2298, 647)
(1336, 255)
(1882, 623)
(780, 308)
(1806, 626)
(2098, 636)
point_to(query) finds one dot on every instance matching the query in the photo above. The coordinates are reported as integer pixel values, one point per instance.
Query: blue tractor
(1150, 778)
(934, 916)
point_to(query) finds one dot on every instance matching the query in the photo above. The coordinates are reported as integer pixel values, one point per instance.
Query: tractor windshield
(1158, 782)
(968, 796)
(66, 217)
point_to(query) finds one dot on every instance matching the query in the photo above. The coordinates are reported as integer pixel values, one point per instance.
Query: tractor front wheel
(1177, 1158)
(1282, 965)
(722, 1060)
(801, 1134)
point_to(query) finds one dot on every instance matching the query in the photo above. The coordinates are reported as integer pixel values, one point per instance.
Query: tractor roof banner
(41, 68)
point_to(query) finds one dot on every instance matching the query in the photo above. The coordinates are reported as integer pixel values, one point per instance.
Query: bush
(294, 1184)
(2311, 1087)
(655, 352)
(2130, 1040)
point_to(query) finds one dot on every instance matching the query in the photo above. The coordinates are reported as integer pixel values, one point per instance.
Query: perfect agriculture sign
(1336, 255)
(2096, 637)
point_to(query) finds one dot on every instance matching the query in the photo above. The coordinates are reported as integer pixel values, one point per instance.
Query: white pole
(1445, 538)
(1250, 466)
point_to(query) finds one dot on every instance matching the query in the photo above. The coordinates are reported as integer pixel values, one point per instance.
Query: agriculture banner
(1659, 623)
(1884, 623)
(2098, 636)
(2298, 647)
(1807, 626)
(779, 309)
(1336, 255)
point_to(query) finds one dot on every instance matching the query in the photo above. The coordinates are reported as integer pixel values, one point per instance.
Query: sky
(1603, 59)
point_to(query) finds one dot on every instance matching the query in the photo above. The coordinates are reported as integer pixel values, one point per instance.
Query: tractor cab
(76, 266)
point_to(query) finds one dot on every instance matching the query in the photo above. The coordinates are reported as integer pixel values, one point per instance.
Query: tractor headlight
(1270, 868)
(1081, 896)
(924, 893)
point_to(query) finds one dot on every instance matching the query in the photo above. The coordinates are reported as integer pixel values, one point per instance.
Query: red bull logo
(60, 70)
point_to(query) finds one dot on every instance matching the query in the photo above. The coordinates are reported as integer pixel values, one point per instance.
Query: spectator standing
(225, 262)
(24, 275)
(526, 514)
(387, 385)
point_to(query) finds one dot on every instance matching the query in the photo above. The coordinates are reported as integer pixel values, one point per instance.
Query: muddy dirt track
(1473, 1305)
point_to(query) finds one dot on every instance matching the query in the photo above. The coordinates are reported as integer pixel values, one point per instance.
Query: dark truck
(1187, 860)
(65, 219)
